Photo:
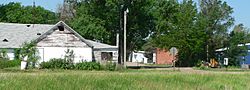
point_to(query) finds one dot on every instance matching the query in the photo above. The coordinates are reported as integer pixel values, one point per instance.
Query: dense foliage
(9, 63)
(88, 66)
(177, 26)
(218, 17)
(196, 32)
(236, 48)
(65, 64)
(16, 13)
(3, 54)
(102, 20)
(5, 62)
(57, 64)
(28, 51)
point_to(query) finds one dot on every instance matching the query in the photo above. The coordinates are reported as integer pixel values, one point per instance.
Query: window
(61, 28)
(106, 56)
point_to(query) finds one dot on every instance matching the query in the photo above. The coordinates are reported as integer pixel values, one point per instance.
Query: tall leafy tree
(102, 19)
(217, 15)
(177, 26)
(140, 23)
(96, 20)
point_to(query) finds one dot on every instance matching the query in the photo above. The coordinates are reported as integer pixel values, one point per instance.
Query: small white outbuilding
(138, 57)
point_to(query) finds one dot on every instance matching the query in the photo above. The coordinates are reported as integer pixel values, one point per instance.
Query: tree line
(16, 13)
(197, 29)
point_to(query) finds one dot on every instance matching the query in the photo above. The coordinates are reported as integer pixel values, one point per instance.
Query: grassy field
(122, 80)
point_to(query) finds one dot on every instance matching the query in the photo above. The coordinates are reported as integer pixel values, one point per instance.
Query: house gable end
(61, 35)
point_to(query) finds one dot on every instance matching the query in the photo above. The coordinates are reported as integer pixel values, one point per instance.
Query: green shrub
(202, 67)
(45, 65)
(3, 54)
(57, 64)
(64, 64)
(9, 63)
(109, 66)
(88, 66)
(199, 63)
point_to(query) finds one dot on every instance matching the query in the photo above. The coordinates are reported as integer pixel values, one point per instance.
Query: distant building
(221, 55)
(164, 57)
(52, 42)
(138, 57)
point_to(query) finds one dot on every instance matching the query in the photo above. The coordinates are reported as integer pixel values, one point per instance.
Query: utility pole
(125, 38)
(120, 46)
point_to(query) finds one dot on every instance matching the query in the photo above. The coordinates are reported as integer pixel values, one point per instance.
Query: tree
(236, 45)
(30, 51)
(177, 25)
(15, 13)
(67, 10)
(139, 24)
(101, 20)
(96, 20)
(217, 15)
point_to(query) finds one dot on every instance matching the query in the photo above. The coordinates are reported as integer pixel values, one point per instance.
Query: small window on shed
(5, 40)
(61, 28)
(105, 56)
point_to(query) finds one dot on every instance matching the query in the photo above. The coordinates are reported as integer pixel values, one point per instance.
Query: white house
(53, 41)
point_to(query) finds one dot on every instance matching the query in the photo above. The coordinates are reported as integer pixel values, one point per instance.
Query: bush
(109, 66)
(9, 63)
(64, 64)
(57, 64)
(88, 66)
(45, 65)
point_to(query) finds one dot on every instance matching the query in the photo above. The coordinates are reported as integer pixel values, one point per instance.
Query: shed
(53, 40)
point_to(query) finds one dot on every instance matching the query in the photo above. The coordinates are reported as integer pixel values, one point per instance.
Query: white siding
(81, 53)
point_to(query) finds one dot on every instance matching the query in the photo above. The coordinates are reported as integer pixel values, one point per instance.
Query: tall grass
(127, 80)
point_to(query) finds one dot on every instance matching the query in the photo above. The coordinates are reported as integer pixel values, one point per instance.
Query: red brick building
(164, 57)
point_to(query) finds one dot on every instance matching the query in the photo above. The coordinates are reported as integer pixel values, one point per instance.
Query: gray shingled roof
(17, 34)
